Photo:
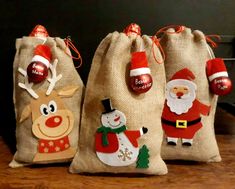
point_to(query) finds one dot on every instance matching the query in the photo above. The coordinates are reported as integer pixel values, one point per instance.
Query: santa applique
(115, 145)
(181, 117)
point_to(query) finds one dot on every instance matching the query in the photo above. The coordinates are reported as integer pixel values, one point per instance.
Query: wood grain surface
(182, 174)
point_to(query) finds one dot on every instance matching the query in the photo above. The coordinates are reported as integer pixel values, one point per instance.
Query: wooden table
(181, 174)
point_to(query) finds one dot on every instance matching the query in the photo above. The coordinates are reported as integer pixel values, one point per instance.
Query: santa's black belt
(181, 123)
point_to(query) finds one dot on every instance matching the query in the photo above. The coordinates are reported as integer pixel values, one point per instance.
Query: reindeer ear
(25, 113)
(68, 91)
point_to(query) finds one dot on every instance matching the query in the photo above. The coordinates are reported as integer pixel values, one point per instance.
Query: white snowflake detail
(124, 155)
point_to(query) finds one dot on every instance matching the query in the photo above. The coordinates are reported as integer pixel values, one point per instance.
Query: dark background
(89, 21)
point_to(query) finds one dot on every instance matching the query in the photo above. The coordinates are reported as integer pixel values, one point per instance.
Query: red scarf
(52, 146)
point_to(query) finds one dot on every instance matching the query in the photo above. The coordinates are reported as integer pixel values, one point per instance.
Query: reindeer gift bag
(47, 96)
(189, 110)
(124, 95)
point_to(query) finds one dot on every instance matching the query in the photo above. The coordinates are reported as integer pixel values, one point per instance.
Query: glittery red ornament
(37, 70)
(221, 86)
(140, 78)
(132, 29)
(141, 83)
(39, 31)
(216, 71)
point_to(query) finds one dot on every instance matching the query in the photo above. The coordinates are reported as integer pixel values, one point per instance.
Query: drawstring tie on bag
(211, 42)
(157, 43)
(156, 40)
(70, 45)
(177, 28)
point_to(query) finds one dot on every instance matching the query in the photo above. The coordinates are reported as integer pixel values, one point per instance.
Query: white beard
(182, 105)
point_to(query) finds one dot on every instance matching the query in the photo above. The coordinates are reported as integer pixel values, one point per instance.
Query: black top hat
(107, 106)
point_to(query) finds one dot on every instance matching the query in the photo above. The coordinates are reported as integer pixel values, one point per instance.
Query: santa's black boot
(187, 142)
(171, 141)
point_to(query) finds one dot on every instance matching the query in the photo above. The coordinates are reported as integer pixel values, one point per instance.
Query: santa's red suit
(192, 117)
(113, 143)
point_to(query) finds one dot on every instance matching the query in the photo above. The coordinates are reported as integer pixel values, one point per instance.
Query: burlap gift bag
(189, 110)
(47, 112)
(119, 130)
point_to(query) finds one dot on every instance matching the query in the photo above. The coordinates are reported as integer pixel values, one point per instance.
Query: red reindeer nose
(179, 94)
(117, 118)
(53, 121)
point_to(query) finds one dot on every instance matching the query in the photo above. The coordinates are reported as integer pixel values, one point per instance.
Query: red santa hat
(184, 74)
(216, 68)
(182, 77)
(139, 64)
(42, 53)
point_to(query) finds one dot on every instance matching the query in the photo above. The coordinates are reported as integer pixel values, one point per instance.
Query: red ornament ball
(37, 72)
(221, 86)
(141, 83)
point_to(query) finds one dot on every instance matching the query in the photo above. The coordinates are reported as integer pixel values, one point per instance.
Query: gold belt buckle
(181, 124)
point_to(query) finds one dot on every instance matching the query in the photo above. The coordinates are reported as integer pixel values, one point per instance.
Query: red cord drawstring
(178, 29)
(156, 42)
(69, 44)
(213, 43)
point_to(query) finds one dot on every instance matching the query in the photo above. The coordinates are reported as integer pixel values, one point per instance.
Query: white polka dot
(57, 149)
(51, 143)
(46, 150)
(61, 141)
(42, 144)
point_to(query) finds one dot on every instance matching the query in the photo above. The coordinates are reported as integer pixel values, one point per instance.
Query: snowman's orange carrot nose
(117, 118)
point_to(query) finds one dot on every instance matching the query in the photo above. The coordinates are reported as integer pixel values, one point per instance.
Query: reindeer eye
(44, 110)
(52, 106)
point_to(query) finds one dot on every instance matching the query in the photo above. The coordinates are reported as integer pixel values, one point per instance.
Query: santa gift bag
(124, 96)
(47, 97)
(189, 110)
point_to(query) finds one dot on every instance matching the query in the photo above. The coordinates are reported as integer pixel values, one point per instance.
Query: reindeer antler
(26, 85)
(53, 78)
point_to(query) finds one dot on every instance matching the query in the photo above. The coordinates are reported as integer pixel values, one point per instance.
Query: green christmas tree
(143, 158)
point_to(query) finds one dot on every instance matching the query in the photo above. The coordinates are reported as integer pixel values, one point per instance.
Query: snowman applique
(115, 145)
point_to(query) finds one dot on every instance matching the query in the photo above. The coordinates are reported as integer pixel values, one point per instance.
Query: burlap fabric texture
(109, 78)
(189, 49)
(67, 94)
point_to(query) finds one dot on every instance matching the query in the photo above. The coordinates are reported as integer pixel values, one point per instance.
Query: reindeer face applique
(52, 122)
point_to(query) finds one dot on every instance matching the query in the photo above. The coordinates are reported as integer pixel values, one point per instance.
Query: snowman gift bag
(124, 95)
(47, 97)
(189, 109)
